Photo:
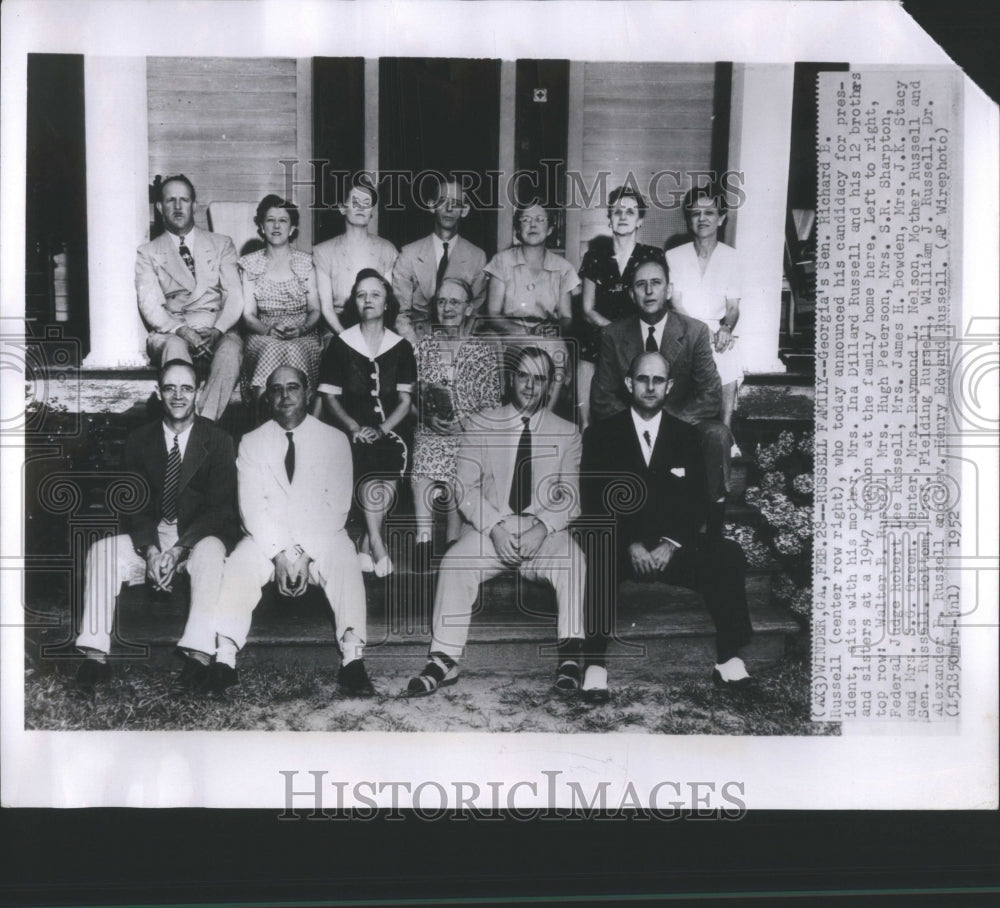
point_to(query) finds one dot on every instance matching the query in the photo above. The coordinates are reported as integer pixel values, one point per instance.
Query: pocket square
(678, 472)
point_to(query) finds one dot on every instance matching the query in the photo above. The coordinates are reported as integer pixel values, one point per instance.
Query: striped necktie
(186, 255)
(170, 483)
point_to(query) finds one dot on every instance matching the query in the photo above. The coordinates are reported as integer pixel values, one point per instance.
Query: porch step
(660, 627)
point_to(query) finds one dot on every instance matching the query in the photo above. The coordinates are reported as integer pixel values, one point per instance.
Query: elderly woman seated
(456, 376)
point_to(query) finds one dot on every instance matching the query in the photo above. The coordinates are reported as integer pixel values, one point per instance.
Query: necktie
(649, 439)
(651, 341)
(186, 255)
(290, 457)
(170, 481)
(520, 487)
(442, 267)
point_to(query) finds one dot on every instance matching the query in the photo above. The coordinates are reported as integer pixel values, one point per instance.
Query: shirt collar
(356, 341)
(182, 437)
(549, 259)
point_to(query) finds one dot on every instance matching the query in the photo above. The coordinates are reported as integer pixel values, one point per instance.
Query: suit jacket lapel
(156, 454)
(673, 333)
(194, 454)
(175, 264)
(427, 274)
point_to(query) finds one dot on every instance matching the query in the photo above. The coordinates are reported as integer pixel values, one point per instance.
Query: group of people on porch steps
(365, 367)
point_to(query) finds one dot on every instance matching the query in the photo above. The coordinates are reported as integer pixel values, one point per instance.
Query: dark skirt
(386, 458)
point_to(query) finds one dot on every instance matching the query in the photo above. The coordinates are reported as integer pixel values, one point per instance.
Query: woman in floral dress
(281, 306)
(456, 376)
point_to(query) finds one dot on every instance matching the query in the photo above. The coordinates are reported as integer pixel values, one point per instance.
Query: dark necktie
(649, 439)
(170, 482)
(442, 267)
(520, 486)
(290, 457)
(651, 341)
(186, 255)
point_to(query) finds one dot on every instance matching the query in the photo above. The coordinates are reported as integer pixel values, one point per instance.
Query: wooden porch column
(117, 206)
(507, 153)
(759, 146)
(371, 126)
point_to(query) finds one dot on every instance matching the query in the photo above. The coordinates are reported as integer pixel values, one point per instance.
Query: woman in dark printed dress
(366, 378)
(281, 306)
(606, 272)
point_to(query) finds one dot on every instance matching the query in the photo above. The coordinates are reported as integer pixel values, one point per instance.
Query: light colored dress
(470, 374)
(703, 296)
(279, 304)
(533, 301)
(341, 261)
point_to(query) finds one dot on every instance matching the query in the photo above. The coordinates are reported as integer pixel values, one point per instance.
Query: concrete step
(513, 626)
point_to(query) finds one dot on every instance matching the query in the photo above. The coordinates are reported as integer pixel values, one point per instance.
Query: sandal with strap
(568, 677)
(440, 671)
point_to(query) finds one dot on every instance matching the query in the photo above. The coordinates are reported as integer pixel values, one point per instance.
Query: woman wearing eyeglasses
(457, 375)
(530, 289)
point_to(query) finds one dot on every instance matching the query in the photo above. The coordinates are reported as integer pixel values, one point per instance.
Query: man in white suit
(295, 484)
(190, 296)
(423, 265)
(518, 481)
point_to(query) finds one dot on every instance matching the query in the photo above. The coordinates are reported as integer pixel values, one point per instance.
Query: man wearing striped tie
(187, 523)
(190, 296)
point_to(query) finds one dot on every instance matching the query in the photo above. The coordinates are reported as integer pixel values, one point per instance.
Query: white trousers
(112, 561)
(334, 568)
(559, 562)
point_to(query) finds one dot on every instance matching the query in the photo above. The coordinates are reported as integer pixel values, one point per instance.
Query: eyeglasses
(450, 301)
(534, 219)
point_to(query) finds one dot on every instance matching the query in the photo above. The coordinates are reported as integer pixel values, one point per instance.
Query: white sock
(733, 669)
(225, 651)
(595, 678)
(352, 647)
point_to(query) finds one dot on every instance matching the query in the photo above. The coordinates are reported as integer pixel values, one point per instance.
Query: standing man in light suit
(295, 487)
(518, 482)
(423, 265)
(190, 296)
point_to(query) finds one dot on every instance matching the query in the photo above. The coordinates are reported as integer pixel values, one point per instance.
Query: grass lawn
(293, 698)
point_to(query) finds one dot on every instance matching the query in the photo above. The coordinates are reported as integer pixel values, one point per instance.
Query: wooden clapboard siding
(224, 122)
(644, 118)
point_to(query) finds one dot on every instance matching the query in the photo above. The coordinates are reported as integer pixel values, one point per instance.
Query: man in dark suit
(423, 265)
(187, 525)
(657, 519)
(696, 393)
(190, 296)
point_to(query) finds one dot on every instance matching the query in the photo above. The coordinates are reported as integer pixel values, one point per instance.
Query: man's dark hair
(177, 178)
(519, 356)
(170, 363)
(660, 260)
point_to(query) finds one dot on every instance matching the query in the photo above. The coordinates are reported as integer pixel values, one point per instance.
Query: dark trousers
(716, 443)
(715, 568)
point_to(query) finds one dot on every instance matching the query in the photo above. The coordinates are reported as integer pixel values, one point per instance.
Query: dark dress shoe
(91, 672)
(221, 677)
(194, 675)
(354, 681)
